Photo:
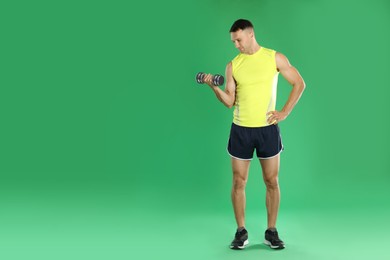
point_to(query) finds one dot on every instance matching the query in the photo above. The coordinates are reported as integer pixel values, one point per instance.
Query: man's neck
(254, 49)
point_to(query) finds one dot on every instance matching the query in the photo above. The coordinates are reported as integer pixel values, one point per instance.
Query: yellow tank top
(256, 79)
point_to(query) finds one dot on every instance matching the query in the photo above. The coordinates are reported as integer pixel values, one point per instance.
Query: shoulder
(281, 61)
(281, 58)
(235, 62)
(229, 67)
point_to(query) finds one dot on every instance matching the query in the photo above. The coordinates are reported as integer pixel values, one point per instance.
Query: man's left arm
(293, 77)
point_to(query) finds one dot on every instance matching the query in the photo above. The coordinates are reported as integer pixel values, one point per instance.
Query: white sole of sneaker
(271, 246)
(246, 242)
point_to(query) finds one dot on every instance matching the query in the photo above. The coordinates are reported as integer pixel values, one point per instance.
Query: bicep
(230, 86)
(289, 72)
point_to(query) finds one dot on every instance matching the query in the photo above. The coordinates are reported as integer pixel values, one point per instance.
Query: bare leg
(240, 177)
(270, 169)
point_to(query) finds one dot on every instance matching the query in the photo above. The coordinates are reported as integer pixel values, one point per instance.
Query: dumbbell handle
(216, 79)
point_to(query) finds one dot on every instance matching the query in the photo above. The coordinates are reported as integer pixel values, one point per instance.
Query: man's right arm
(227, 96)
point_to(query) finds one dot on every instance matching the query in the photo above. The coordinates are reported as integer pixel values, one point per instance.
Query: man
(251, 81)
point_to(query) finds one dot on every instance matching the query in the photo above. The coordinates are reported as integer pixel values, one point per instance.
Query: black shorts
(244, 140)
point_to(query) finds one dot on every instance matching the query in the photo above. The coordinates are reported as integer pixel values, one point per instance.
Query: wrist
(286, 112)
(213, 87)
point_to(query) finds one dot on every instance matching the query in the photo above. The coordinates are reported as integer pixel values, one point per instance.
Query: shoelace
(239, 234)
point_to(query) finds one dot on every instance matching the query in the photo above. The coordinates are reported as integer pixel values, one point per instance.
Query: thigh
(270, 167)
(240, 168)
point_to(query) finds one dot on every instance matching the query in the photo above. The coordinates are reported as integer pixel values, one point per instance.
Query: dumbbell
(216, 79)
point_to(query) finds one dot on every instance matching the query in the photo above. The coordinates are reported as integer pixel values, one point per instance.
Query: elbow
(300, 86)
(229, 105)
(231, 102)
(303, 84)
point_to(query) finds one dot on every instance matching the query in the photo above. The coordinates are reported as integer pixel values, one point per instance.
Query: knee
(271, 183)
(239, 182)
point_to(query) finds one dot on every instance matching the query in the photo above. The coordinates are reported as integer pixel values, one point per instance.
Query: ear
(251, 33)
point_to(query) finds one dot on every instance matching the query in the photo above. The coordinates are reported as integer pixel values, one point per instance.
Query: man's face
(242, 39)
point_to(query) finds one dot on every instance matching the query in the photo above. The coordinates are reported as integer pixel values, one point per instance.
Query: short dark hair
(241, 24)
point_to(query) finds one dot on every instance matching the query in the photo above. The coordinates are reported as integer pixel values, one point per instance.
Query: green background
(111, 150)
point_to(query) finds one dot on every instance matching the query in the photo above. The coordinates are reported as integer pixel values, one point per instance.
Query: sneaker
(240, 240)
(272, 240)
